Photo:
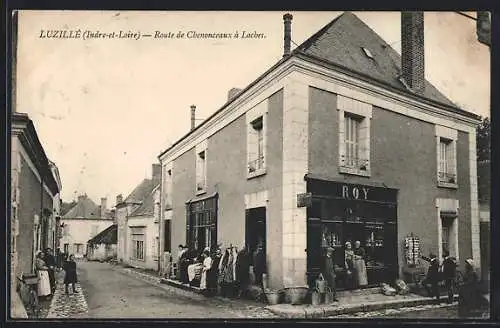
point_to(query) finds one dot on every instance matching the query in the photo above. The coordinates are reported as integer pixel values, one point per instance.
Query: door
(314, 250)
(255, 228)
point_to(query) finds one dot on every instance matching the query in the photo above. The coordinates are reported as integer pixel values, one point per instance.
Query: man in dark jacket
(50, 261)
(432, 277)
(259, 264)
(329, 271)
(449, 274)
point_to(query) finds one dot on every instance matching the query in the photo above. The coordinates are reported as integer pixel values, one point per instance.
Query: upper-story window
(354, 136)
(256, 140)
(446, 157)
(201, 168)
(167, 186)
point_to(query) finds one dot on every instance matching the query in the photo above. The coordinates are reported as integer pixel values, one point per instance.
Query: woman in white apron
(43, 276)
(207, 265)
(359, 264)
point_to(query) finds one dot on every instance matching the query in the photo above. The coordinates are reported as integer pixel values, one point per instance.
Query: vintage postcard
(255, 165)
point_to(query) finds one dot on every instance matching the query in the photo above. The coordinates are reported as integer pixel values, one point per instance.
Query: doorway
(255, 229)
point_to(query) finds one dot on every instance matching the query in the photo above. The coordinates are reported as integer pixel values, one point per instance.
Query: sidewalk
(350, 305)
(67, 305)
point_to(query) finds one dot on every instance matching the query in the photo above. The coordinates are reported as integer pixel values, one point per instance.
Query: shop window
(354, 136)
(374, 244)
(202, 224)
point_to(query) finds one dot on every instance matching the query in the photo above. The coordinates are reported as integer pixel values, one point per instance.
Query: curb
(315, 312)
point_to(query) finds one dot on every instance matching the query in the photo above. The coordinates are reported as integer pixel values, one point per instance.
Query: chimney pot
(412, 50)
(287, 21)
(193, 116)
(232, 93)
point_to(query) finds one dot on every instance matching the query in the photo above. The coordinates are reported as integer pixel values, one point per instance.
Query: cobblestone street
(107, 292)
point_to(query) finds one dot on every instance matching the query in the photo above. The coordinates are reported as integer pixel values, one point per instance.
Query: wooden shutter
(167, 236)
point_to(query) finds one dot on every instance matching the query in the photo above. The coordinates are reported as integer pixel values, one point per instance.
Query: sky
(104, 109)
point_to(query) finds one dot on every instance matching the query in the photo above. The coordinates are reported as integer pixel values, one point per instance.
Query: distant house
(103, 246)
(81, 223)
(137, 223)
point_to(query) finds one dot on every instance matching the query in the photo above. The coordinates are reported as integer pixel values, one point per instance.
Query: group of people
(221, 272)
(354, 265)
(470, 296)
(47, 264)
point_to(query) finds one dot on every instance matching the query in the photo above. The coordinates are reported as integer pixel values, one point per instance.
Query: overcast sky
(105, 109)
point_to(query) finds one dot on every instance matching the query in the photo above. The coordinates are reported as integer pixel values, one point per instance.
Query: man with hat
(432, 277)
(50, 261)
(329, 271)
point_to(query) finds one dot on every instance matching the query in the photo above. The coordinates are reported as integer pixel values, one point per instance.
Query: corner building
(329, 145)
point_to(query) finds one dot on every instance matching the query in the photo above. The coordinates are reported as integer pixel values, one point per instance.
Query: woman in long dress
(470, 300)
(43, 276)
(349, 266)
(359, 264)
(207, 265)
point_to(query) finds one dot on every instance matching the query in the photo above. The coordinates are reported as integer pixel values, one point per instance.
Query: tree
(483, 141)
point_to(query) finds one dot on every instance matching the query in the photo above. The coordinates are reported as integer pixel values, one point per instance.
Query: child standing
(70, 274)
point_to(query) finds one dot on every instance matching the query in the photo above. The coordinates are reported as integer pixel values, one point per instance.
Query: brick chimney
(104, 204)
(287, 20)
(412, 50)
(119, 199)
(193, 116)
(81, 197)
(156, 173)
(232, 93)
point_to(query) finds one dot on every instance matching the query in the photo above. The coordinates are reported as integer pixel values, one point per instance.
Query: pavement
(71, 305)
(110, 291)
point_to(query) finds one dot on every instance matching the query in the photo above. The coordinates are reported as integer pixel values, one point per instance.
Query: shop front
(339, 212)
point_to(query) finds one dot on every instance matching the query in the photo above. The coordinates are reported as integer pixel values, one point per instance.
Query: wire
(465, 15)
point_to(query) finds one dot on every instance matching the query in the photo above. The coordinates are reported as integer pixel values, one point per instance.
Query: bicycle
(32, 302)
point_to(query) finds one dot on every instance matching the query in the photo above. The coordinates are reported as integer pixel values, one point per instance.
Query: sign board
(304, 200)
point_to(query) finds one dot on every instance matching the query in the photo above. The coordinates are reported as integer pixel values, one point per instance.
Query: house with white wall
(137, 221)
(82, 222)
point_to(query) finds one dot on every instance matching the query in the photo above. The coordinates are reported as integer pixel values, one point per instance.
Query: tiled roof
(147, 206)
(84, 208)
(140, 192)
(107, 236)
(341, 41)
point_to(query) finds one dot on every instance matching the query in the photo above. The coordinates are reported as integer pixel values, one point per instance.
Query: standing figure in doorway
(329, 271)
(180, 253)
(43, 276)
(349, 266)
(360, 264)
(259, 264)
(70, 276)
(432, 277)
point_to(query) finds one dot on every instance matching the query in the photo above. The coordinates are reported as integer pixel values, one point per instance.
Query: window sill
(256, 173)
(353, 171)
(201, 192)
(448, 185)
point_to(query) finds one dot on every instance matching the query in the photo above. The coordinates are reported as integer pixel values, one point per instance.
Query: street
(110, 293)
